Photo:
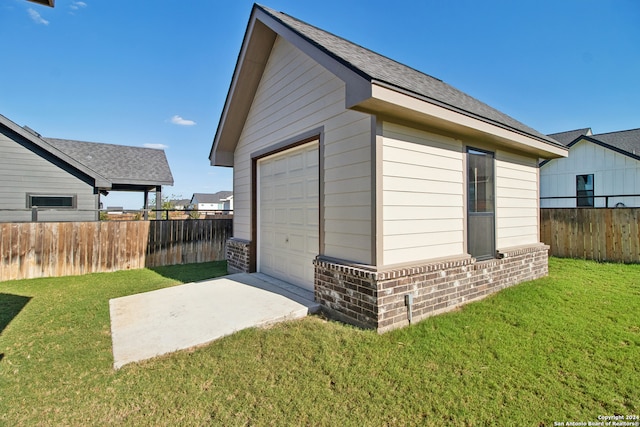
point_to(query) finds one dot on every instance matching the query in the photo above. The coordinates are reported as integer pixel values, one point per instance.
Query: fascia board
(385, 100)
(252, 59)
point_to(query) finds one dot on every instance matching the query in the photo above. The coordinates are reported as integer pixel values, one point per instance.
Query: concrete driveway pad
(159, 322)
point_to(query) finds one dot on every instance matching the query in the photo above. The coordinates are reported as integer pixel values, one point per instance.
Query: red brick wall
(237, 255)
(376, 299)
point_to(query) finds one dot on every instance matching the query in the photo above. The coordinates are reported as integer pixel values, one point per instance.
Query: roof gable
(625, 142)
(110, 166)
(35, 139)
(565, 138)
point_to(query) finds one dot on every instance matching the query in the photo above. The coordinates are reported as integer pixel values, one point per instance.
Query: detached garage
(390, 194)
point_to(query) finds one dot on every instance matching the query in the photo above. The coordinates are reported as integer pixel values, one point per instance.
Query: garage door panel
(296, 217)
(296, 164)
(280, 192)
(280, 166)
(281, 217)
(280, 265)
(267, 215)
(312, 245)
(312, 159)
(297, 242)
(288, 223)
(313, 216)
(280, 241)
(313, 188)
(296, 191)
(297, 271)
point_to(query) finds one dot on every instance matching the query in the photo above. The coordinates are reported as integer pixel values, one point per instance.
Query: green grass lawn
(562, 348)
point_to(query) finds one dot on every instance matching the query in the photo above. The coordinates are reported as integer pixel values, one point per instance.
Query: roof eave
(391, 103)
(252, 59)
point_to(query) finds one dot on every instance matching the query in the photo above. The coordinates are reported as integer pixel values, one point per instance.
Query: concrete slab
(159, 322)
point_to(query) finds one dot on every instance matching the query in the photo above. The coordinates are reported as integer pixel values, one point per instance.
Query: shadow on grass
(187, 273)
(10, 306)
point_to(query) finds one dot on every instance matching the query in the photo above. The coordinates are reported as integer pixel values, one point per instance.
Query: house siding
(613, 173)
(423, 195)
(23, 171)
(296, 95)
(516, 200)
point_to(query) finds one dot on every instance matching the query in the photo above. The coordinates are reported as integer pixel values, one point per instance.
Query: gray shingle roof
(625, 140)
(569, 136)
(119, 163)
(211, 198)
(376, 67)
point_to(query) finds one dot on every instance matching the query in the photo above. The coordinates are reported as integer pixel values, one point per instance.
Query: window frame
(73, 197)
(487, 213)
(587, 198)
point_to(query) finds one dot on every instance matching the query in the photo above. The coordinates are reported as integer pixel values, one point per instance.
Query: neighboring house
(602, 170)
(381, 189)
(180, 204)
(222, 200)
(66, 178)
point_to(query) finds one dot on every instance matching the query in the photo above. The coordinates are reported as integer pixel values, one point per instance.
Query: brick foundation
(376, 299)
(237, 255)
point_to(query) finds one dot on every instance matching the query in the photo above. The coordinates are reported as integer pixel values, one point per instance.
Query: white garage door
(288, 214)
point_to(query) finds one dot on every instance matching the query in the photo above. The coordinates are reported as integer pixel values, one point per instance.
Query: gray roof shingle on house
(376, 67)
(122, 165)
(211, 198)
(565, 138)
(625, 140)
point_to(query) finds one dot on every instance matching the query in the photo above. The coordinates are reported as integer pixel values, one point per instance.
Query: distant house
(180, 204)
(388, 193)
(222, 200)
(602, 170)
(64, 179)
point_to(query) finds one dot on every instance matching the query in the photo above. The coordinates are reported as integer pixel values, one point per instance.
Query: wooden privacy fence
(48, 249)
(598, 234)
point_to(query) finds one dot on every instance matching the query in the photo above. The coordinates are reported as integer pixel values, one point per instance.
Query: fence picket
(599, 234)
(49, 249)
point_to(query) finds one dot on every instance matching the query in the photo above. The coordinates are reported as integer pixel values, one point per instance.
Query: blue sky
(156, 73)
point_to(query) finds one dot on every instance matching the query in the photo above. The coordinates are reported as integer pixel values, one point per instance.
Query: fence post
(34, 214)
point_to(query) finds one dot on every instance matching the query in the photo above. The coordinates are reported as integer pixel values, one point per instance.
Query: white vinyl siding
(613, 173)
(22, 171)
(423, 195)
(516, 200)
(296, 95)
